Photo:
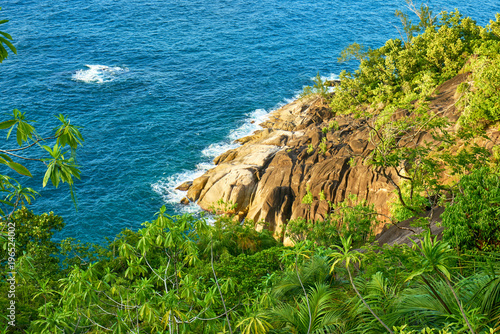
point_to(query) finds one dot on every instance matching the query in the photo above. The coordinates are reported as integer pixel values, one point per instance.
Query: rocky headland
(303, 148)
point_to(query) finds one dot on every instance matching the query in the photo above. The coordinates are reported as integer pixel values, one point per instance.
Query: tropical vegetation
(184, 274)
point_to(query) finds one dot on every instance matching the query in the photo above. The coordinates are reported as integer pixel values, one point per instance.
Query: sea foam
(98, 73)
(166, 186)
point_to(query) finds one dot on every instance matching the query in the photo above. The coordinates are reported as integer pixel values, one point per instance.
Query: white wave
(249, 126)
(330, 77)
(204, 166)
(166, 187)
(216, 149)
(98, 73)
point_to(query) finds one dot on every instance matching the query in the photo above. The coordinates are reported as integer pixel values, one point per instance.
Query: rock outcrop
(268, 176)
(304, 149)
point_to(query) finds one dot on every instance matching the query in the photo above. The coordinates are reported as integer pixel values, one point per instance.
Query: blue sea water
(161, 87)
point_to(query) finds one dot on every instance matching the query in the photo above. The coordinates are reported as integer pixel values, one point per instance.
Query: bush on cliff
(400, 72)
(472, 220)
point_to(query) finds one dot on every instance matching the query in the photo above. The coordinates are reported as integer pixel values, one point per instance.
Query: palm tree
(315, 271)
(316, 316)
(301, 250)
(345, 255)
(482, 290)
(254, 322)
(417, 306)
(435, 256)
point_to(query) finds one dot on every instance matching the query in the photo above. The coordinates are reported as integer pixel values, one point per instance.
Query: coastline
(268, 175)
(303, 160)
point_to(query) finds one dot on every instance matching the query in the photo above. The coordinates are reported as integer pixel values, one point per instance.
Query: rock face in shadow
(404, 232)
(303, 149)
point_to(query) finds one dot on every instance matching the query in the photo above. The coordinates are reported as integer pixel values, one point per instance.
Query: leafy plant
(435, 258)
(6, 39)
(323, 146)
(308, 197)
(344, 255)
(472, 220)
(319, 88)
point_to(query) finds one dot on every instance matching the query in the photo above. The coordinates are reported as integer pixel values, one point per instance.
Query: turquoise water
(161, 87)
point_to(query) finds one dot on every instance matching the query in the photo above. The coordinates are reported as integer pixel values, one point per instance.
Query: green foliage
(344, 255)
(355, 219)
(60, 166)
(331, 125)
(296, 317)
(175, 273)
(435, 257)
(37, 264)
(322, 196)
(480, 100)
(403, 71)
(472, 220)
(171, 270)
(389, 261)
(351, 218)
(255, 323)
(222, 206)
(6, 39)
(426, 330)
(308, 197)
(494, 26)
(35, 230)
(320, 88)
(323, 146)
(247, 271)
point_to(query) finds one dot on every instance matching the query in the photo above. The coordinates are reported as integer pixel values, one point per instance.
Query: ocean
(162, 87)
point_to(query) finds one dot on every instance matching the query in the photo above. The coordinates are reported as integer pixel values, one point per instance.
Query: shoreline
(302, 148)
(170, 188)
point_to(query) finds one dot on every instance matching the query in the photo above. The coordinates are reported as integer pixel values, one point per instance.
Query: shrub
(472, 221)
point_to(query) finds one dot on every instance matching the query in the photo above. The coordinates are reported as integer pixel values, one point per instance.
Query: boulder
(185, 186)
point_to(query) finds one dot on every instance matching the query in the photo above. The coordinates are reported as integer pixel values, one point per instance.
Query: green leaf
(19, 136)
(10, 131)
(7, 124)
(414, 274)
(6, 202)
(6, 157)
(48, 149)
(5, 34)
(9, 44)
(19, 168)
(47, 174)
